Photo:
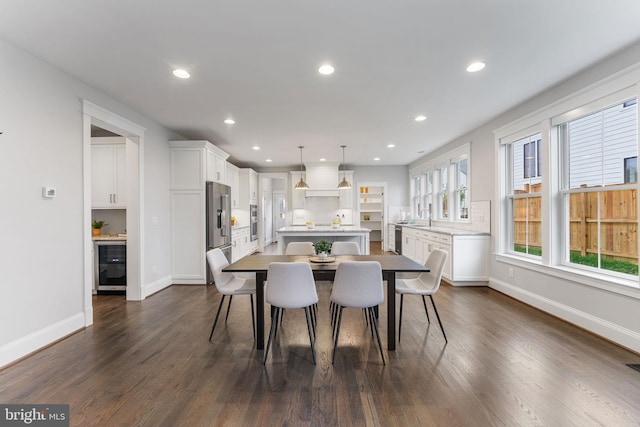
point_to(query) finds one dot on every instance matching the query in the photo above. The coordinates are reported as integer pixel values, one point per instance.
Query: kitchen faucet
(426, 209)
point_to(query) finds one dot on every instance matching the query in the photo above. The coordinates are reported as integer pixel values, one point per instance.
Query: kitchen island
(322, 232)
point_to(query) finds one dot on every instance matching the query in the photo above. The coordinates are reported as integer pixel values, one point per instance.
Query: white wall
(41, 259)
(614, 315)
(396, 177)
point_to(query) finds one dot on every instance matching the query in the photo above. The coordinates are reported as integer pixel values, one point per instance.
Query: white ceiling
(256, 61)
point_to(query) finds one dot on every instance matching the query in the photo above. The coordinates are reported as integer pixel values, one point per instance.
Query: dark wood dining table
(391, 264)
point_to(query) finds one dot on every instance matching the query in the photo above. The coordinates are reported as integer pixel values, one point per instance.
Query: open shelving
(370, 206)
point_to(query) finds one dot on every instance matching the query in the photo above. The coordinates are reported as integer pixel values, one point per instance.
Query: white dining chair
(357, 284)
(345, 248)
(291, 285)
(300, 248)
(424, 284)
(228, 284)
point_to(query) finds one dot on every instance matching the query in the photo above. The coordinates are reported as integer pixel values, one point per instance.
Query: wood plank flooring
(150, 363)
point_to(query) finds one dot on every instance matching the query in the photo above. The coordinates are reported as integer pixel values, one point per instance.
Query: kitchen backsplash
(116, 220)
(322, 210)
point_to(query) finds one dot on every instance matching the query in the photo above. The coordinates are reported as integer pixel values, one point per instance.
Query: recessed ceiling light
(391, 145)
(268, 160)
(376, 159)
(476, 66)
(230, 121)
(180, 73)
(420, 118)
(326, 69)
(255, 147)
(323, 159)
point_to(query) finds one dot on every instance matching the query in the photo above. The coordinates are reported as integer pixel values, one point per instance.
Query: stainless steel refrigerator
(218, 219)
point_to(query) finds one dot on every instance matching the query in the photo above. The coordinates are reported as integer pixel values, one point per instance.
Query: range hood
(322, 179)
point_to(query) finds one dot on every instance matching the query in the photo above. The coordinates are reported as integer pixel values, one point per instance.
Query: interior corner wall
(42, 289)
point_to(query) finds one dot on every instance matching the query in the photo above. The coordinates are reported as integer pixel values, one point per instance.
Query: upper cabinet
(216, 165)
(233, 181)
(248, 188)
(108, 173)
(195, 162)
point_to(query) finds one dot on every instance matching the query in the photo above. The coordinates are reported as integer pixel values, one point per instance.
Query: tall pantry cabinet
(193, 163)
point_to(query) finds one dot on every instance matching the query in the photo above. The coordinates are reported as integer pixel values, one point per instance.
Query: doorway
(372, 203)
(94, 115)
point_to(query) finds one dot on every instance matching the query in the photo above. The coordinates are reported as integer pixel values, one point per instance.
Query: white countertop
(323, 229)
(110, 237)
(446, 230)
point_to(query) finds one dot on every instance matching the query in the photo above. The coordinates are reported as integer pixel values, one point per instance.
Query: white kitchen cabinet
(468, 258)
(192, 163)
(195, 162)
(188, 265)
(108, 173)
(242, 244)
(297, 196)
(233, 181)
(392, 240)
(346, 195)
(248, 192)
(216, 165)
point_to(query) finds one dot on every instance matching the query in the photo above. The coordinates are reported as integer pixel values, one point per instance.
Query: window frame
(606, 92)
(566, 191)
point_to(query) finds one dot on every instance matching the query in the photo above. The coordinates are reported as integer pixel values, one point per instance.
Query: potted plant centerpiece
(97, 227)
(322, 248)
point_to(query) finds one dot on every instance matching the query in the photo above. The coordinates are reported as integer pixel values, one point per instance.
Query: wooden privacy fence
(618, 223)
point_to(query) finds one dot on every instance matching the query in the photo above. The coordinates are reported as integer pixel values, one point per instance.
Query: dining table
(326, 270)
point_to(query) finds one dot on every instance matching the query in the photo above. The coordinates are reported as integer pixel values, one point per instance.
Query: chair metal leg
(400, 317)
(253, 318)
(335, 342)
(438, 316)
(217, 315)
(309, 322)
(374, 322)
(369, 314)
(424, 302)
(274, 325)
(228, 308)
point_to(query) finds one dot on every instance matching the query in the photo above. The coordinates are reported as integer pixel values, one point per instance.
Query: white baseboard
(28, 344)
(158, 285)
(610, 331)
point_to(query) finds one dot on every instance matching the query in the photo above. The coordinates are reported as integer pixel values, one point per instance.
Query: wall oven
(110, 265)
(254, 222)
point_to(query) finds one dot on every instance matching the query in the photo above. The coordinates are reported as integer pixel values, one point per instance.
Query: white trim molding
(35, 341)
(616, 333)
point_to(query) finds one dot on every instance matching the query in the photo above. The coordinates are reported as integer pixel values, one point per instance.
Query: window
(631, 169)
(416, 191)
(461, 199)
(443, 193)
(600, 189)
(427, 199)
(531, 161)
(440, 187)
(524, 195)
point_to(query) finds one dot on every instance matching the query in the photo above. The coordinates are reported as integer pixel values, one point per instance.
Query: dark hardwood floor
(149, 363)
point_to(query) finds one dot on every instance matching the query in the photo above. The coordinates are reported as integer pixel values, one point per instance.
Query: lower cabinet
(242, 244)
(468, 258)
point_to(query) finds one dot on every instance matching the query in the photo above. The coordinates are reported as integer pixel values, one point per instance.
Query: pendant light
(301, 185)
(344, 184)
